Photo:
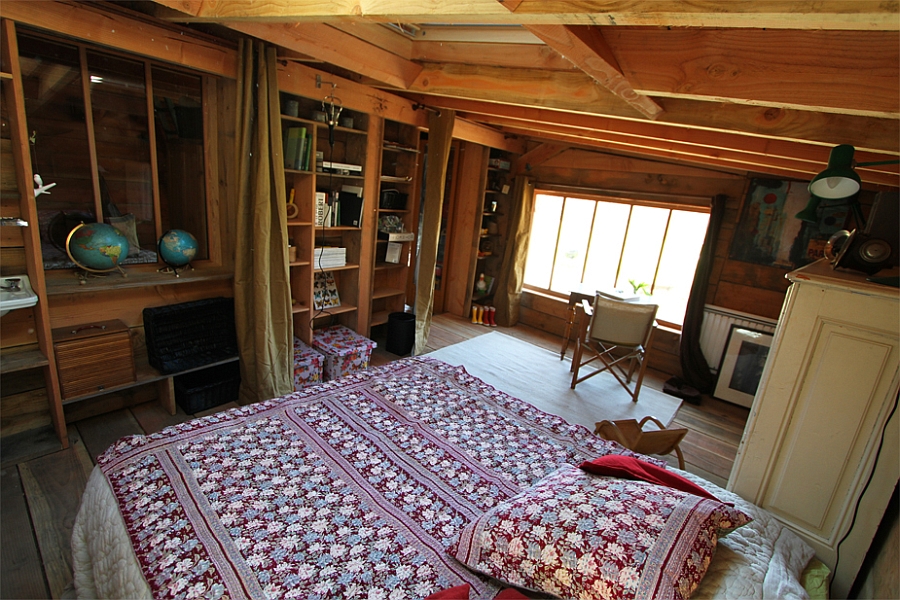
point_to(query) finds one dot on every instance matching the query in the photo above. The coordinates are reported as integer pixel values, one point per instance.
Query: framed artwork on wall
(742, 365)
(769, 233)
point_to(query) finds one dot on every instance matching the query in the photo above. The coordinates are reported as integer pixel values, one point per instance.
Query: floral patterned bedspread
(353, 488)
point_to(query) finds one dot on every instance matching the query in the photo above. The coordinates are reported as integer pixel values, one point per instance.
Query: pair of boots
(484, 315)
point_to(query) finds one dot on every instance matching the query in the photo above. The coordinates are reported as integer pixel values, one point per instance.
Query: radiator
(717, 322)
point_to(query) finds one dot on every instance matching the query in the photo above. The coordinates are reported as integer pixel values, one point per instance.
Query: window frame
(675, 202)
(210, 149)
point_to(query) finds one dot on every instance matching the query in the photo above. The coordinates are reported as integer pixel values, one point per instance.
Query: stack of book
(328, 257)
(297, 148)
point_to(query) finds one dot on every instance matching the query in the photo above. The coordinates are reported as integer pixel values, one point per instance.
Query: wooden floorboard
(100, 432)
(42, 485)
(22, 572)
(53, 486)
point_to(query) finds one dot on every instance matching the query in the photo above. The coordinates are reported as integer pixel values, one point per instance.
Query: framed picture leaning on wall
(741, 367)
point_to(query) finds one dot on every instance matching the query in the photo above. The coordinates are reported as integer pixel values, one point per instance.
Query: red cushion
(461, 592)
(627, 467)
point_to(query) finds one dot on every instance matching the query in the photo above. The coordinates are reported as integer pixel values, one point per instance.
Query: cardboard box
(308, 365)
(345, 350)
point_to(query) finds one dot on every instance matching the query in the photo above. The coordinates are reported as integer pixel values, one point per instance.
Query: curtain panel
(512, 273)
(694, 368)
(261, 278)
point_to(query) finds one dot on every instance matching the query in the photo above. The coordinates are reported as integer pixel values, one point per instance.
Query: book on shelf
(329, 257)
(349, 209)
(341, 168)
(392, 254)
(325, 293)
(293, 142)
(321, 209)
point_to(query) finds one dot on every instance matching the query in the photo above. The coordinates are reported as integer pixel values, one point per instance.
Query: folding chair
(614, 335)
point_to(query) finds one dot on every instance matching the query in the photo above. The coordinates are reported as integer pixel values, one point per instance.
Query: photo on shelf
(325, 293)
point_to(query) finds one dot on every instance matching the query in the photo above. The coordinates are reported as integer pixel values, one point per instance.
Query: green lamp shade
(839, 180)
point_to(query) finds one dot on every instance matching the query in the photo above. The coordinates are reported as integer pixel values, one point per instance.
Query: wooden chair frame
(613, 357)
(631, 434)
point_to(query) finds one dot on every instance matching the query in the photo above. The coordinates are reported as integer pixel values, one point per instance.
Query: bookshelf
(494, 230)
(398, 204)
(323, 170)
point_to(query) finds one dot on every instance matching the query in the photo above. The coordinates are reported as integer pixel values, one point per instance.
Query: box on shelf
(93, 357)
(200, 390)
(190, 334)
(345, 350)
(308, 365)
(499, 163)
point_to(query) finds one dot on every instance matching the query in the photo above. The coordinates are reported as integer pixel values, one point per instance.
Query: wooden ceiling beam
(815, 152)
(867, 15)
(523, 56)
(727, 163)
(378, 35)
(327, 44)
(585, 48)
(538, 155)
(852, 72)
(575, 92)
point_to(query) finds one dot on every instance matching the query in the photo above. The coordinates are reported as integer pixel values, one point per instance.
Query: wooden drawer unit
(94, 357)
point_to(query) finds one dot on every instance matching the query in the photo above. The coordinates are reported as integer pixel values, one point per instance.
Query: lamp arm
(877, 162)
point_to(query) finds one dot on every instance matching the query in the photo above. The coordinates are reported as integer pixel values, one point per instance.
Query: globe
(177, 247)
(97, 247)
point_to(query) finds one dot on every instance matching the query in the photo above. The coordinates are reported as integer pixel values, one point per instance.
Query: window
(122, 140)
(616, 243)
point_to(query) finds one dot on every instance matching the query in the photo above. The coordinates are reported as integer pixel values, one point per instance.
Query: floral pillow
(577, 535)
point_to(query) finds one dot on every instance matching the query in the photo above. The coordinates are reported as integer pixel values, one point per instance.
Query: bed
(367, 487)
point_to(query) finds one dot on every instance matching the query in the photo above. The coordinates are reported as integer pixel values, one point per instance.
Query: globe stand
(85, 274)
(176, 270)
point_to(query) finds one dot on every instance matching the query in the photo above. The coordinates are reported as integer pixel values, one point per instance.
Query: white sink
(16, 292)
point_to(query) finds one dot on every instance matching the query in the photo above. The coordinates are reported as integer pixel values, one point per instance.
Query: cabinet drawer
(92, 358)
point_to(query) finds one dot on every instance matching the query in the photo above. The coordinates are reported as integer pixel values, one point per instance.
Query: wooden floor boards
(41, 485)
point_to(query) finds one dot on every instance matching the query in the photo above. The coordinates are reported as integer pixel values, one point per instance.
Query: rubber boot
(493, 316)
(480, 315)
(474, 314)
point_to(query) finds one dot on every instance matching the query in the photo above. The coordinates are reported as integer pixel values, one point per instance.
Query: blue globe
(97, 246)
(177, 247)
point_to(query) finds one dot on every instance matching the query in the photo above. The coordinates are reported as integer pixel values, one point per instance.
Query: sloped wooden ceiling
(760, 86)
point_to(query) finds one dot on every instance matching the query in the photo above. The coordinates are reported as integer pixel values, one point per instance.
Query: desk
(587, 292)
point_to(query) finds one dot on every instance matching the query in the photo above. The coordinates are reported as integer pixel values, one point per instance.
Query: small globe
(177, 247)
(97, 247)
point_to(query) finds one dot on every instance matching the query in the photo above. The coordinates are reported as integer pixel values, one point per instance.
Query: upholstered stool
(631, 434)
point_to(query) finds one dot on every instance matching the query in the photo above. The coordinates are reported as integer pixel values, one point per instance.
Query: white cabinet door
(820, 417)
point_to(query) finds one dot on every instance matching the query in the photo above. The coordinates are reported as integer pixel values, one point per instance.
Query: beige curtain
(262, 298)
(512, 273)
(440, 134)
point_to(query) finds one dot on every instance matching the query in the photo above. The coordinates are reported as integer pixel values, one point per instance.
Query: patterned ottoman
(345, 350)
(307, 365)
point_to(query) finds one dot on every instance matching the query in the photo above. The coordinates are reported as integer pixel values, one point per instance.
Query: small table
(587, 292)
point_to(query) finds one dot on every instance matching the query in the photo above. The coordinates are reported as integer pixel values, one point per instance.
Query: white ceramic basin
(16, 292)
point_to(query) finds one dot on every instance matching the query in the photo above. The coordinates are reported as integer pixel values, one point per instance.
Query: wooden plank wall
(754, 289)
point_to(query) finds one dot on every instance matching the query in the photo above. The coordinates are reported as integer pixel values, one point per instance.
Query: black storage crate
(199, 390)
(190, 334)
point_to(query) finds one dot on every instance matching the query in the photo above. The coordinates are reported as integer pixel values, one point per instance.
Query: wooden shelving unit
(398, 200)
(303, 182)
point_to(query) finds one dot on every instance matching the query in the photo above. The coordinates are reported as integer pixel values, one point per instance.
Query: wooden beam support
(773, 14)
(587, 51)
(522, 56)
(851, 72)
(576, 92)
(714, 140)
(86, 22)
(471, 131)
(537, 156)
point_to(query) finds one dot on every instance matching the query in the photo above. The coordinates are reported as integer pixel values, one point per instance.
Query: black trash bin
(401, 333)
